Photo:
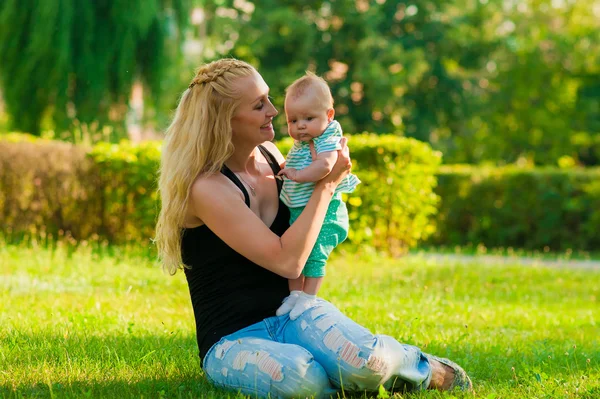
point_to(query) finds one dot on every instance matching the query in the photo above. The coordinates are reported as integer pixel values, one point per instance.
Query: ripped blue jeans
(317, 355)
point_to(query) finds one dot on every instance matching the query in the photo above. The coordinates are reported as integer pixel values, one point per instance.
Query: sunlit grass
(510, 252)
(100, 321)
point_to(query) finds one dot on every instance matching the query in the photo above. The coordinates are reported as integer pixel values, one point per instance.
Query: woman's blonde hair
(197, 143)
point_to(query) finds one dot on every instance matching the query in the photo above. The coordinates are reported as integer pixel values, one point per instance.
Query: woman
(221, 216)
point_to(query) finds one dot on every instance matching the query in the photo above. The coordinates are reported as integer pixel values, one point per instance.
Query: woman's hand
(342, 166)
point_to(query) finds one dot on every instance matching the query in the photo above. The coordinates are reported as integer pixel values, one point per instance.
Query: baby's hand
(290, 173)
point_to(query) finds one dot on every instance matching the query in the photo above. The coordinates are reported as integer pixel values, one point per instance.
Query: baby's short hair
(311, 81)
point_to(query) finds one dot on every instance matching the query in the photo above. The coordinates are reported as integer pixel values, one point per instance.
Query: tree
(66, 61)
(537, 97)
(384, 60)
(481, 80)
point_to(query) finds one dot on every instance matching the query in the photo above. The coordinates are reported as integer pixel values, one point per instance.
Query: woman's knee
(292, 374)
(304, 378)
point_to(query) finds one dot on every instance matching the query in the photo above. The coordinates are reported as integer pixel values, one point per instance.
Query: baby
(309, 111)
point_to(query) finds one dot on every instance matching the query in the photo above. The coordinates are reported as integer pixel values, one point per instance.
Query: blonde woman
(221, 217)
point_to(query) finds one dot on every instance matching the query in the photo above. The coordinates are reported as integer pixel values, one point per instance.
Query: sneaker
(461, 379)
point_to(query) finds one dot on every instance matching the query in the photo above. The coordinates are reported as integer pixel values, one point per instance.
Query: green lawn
(84, 324)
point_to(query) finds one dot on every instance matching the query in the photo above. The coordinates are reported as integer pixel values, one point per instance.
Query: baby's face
(305, 118)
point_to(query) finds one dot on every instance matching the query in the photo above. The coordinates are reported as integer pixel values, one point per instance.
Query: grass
(509, 252)
(101, 322)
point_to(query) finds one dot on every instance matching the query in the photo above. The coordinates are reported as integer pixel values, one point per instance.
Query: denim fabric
(317, 354)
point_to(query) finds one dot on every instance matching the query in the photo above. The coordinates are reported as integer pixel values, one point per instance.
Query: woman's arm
(221, 207)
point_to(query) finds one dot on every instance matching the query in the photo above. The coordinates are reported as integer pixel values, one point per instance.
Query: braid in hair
(215, 70)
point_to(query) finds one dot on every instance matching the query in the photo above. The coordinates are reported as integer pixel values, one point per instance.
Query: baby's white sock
(288, 303)
(304, 302)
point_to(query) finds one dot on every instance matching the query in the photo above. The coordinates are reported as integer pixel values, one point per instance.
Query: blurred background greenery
(496, 81)
(488, 83)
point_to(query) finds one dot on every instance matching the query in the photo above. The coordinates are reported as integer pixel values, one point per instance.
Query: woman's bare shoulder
(214, 184)
(200, 186)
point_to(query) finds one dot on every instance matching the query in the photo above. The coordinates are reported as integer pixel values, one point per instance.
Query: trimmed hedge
(48, 187)
(109, 191)
(516, 207)
(393, 208)
(127, 174)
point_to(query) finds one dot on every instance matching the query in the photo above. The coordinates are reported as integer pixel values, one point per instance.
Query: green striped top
(295, 194)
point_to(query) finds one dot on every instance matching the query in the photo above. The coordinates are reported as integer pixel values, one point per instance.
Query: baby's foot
(288, 303)
(304, 302)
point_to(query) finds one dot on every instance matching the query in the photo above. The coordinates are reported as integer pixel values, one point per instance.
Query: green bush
(47, 187)
(109, 190)
(392, 209)
(128, 189)
(515, 207)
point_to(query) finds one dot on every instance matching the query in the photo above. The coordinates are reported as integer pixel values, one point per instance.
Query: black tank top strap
(231, 176)
(270, 159)
(274, 166)
(272, 163)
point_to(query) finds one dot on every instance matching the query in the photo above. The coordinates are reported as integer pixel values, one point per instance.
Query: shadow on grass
(186, 387)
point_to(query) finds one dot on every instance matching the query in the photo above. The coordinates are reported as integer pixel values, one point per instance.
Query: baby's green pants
(334, 231)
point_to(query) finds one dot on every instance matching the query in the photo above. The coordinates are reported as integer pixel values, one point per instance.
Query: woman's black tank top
(228, 291)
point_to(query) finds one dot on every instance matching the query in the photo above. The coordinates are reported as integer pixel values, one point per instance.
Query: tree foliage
(76, 60)
(481, 80)
(537, 95)
(497, 81)
(383, 60)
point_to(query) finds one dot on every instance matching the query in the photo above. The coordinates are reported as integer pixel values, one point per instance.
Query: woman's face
(252, 121)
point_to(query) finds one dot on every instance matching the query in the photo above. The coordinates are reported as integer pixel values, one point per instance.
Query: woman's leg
(251, 362)
(352, 356)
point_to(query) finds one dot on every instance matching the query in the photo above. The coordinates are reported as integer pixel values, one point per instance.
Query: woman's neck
(243, 160)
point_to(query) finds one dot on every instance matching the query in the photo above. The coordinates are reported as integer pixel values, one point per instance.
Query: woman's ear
(330, 114)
